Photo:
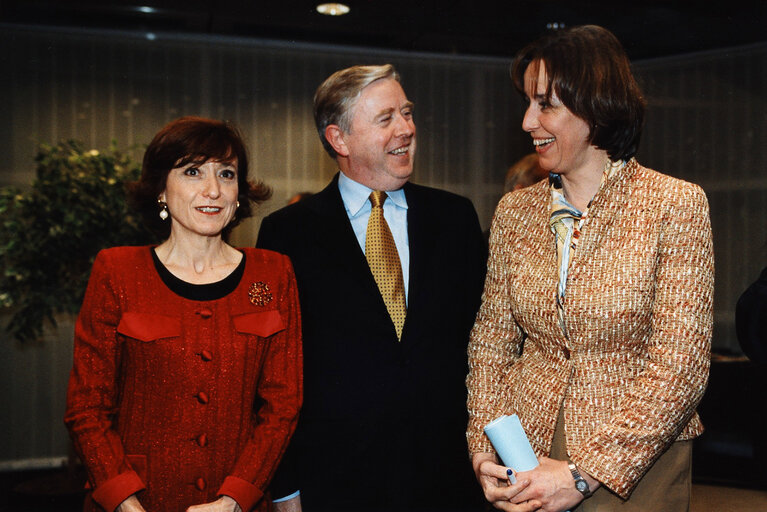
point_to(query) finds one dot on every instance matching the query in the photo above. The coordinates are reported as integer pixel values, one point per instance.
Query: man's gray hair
(335, 98)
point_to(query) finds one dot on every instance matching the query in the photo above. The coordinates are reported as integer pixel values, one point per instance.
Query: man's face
(381, 138)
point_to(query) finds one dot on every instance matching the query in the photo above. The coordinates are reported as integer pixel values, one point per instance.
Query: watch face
(581, 485)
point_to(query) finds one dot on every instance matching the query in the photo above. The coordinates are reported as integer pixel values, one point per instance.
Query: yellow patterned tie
(381, 253)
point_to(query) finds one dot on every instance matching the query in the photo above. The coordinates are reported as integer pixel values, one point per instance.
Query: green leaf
(52, 231)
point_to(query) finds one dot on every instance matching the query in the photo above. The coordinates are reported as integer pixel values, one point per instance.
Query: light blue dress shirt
(357, 204)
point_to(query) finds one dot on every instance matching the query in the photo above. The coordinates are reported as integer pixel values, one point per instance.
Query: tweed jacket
(638, 311)
(183, 400)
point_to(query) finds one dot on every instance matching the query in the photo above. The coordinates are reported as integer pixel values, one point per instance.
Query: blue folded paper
(511, 443)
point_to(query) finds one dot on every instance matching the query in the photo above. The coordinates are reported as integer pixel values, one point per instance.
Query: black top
(200, 292)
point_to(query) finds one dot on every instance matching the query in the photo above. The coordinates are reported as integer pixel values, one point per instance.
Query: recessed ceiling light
(333, 9)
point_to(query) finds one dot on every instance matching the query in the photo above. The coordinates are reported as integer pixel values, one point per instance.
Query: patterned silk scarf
(566, 223)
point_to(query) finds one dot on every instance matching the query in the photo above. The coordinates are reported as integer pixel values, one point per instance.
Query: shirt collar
(355, 195)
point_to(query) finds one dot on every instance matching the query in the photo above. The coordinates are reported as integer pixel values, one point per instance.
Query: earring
(238, 204)
(163, 209)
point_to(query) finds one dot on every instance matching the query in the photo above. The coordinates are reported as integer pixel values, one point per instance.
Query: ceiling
(648, 29)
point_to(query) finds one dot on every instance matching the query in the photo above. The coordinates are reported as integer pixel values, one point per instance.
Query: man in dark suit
(382, 426)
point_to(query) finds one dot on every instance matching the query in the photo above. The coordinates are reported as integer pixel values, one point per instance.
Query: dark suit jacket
(751, 320)
(383, 421)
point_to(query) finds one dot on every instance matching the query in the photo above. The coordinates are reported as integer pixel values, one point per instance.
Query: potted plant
(49, 236)
(51, 233)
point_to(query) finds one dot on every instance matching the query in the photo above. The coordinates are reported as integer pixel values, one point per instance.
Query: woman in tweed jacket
(596, 320)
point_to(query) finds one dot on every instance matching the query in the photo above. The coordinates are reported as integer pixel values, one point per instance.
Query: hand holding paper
(511, 443)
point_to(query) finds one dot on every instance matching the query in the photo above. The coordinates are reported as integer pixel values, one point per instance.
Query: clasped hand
(223, 504)
(549, 487)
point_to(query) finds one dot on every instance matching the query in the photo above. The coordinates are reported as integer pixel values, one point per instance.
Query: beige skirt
(665, 487)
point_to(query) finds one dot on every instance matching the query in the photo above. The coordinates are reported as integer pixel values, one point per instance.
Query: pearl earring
(163, 209)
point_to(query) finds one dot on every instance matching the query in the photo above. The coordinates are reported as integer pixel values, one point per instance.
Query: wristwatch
(581, 485)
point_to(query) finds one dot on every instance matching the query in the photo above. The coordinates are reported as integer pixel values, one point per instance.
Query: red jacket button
(200, 484)
(206, 355)
(205, 313)
(202, 397)
(202, 440)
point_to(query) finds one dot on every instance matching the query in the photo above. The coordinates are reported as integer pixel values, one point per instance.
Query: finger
(488, 468)
(507, 492)
(505, 505)
(521, 497)
(528, 506)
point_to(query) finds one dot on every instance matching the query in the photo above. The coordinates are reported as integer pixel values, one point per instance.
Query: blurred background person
(595, 326)
(186, 382)
(525, 172)
(299, 197)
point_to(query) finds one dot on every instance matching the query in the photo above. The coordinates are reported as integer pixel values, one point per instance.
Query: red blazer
(180, 400)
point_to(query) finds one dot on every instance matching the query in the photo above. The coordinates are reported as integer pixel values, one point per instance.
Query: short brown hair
(337, 95)
(187, 140)
(589, 71)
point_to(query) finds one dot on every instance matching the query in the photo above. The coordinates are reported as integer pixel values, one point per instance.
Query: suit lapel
(332, 227)
(418, 240)
(422, 247)
(335, 237)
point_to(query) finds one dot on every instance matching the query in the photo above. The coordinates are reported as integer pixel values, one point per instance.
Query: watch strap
(581, 485)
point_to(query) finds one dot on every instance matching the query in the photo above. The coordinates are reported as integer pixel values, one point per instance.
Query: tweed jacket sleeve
(280, 388)
(639, 314)
(496, 343)
(93, 394)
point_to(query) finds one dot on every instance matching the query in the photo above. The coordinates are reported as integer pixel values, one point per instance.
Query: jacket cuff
(600, 463)
(244, 493)
(116, 490)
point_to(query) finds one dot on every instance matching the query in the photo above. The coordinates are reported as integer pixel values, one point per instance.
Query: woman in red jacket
(186, 381)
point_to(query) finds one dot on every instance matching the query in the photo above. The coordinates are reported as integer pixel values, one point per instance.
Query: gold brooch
(259, 294)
